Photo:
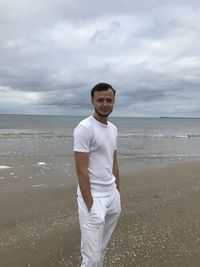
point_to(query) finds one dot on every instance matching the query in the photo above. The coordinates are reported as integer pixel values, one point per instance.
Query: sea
(142, 142)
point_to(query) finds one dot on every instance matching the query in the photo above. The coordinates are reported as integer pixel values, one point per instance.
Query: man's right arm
(81, 161)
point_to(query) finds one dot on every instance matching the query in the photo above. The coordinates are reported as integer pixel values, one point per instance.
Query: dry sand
(159, 225)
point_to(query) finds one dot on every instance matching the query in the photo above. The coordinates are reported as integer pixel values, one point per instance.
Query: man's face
(103, 102)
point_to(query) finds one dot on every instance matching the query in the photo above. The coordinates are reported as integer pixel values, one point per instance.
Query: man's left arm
(116, 170)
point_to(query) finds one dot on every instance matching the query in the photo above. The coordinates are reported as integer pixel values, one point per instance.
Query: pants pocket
(82, 208)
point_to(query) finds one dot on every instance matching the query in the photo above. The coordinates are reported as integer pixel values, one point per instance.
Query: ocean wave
(26, 135)
(51, 135)
(138, 136)
(158, 156)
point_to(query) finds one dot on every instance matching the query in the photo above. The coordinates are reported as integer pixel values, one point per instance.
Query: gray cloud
(52, 53)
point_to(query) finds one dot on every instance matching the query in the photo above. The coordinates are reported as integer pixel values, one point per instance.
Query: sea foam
(2, 167)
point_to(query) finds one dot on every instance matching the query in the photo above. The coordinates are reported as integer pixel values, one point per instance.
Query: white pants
(97, 226)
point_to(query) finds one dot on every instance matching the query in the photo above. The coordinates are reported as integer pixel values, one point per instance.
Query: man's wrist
(90, 204)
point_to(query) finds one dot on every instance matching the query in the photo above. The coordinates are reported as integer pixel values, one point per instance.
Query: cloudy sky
(53, 51)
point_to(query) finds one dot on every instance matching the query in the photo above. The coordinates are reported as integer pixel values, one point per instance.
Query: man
(95, 149)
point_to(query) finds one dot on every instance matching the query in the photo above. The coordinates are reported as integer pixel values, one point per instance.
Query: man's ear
(92, 100)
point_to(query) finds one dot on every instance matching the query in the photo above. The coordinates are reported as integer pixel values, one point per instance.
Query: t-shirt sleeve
(81, 139)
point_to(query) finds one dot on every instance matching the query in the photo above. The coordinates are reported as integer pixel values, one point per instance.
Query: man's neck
(102, 119)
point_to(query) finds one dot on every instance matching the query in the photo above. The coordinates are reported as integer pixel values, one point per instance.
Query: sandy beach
(159, 224)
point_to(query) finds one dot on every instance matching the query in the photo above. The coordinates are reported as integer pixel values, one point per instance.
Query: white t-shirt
(100, 141)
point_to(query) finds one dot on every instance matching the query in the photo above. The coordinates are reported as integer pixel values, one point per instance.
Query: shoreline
(159, 224)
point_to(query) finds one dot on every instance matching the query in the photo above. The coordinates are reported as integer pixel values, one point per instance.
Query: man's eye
(101, 100)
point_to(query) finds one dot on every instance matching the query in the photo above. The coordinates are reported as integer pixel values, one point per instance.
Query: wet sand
(159, 225)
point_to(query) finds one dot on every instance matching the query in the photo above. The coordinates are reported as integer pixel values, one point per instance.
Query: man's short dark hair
(102, 87)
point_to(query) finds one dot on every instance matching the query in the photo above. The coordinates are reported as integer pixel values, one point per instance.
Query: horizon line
(65, 115)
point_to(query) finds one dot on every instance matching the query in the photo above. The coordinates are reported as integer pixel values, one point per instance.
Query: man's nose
(105, 102)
